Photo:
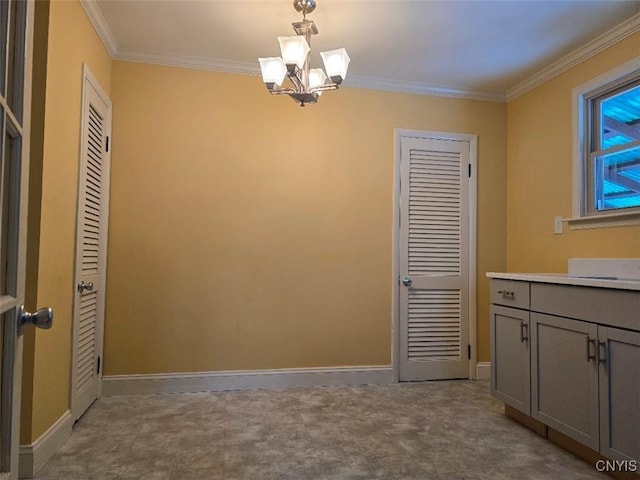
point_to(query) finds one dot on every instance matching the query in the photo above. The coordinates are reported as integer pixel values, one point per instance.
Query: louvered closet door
(434, 253)
(90, 250)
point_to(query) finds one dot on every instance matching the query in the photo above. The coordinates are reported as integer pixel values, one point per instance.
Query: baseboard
(243, 379)
(34, 456)
(483, 371)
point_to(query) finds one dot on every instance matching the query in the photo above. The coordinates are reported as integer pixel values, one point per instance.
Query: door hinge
(469, 352)
(98, 370)
(469, 170)
(107, 145)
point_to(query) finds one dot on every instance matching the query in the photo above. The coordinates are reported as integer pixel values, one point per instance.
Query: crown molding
(101, 26)
(616, 34)
(373, 83)
(183, 61)
(356, 81)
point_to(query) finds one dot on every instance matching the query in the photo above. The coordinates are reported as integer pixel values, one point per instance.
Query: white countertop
(566, 279)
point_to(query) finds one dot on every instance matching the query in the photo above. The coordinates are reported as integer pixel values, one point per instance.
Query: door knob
(43, 318)
(85, 286)
(407, 281)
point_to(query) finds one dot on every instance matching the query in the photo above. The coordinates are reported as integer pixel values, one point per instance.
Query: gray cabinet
(619, 365)
(510, 361)
(569, 357)
(564, 376)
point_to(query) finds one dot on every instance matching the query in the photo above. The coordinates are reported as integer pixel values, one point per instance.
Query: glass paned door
(15, 84)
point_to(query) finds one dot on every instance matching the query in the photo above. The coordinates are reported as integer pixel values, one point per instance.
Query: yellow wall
(248, 233)
(539, 174)
(71, 41)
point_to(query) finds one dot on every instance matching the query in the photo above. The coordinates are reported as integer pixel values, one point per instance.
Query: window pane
(9, 198)
(4, 12)
(15, 63)
(7, 339)
(620, 123)
(618, 180)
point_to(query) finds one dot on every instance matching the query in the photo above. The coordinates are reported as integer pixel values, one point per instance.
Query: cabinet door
(564, 376)
(510, 375)
(619, 364)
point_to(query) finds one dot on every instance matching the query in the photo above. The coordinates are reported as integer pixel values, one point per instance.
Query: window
(608, 141)
(613, 143)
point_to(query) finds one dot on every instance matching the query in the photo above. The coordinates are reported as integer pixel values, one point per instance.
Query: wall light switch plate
(557, 225)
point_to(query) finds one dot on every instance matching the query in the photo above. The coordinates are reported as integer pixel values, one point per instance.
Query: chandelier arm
(294, 76)
(281, 91)
(324, 88)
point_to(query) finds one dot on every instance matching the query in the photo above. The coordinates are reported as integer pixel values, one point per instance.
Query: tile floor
(427, 431)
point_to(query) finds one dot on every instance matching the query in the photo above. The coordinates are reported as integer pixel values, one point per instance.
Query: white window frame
(581, 95)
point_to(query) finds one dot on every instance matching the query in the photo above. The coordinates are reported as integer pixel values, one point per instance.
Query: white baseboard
(34, 456)
(483, 371)
(243, 379)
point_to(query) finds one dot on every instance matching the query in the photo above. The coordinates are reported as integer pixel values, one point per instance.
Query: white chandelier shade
(336, 63)
(294, 50)
(273, 70)
(307, 83)
(317, 78)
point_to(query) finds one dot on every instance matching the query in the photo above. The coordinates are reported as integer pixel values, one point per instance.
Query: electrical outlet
(557, 225)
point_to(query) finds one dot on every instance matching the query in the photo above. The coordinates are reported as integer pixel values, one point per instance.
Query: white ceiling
(475, 48)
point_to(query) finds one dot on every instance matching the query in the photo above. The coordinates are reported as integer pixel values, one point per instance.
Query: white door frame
(90, 81)
(472, 139)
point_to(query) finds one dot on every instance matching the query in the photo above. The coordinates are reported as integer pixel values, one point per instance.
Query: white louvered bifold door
(434, 226)
(90, 250)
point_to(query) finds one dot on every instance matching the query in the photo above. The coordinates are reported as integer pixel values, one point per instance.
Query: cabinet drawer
(606, 306)
(511, 293)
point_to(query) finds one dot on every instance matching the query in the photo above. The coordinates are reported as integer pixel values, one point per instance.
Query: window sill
(604, 221)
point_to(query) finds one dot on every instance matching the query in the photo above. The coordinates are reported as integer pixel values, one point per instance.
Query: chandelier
(307, 83)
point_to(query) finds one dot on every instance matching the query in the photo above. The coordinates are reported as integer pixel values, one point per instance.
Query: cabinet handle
(507, 294)
(590, 341)
(524, 332)
(602, 352)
